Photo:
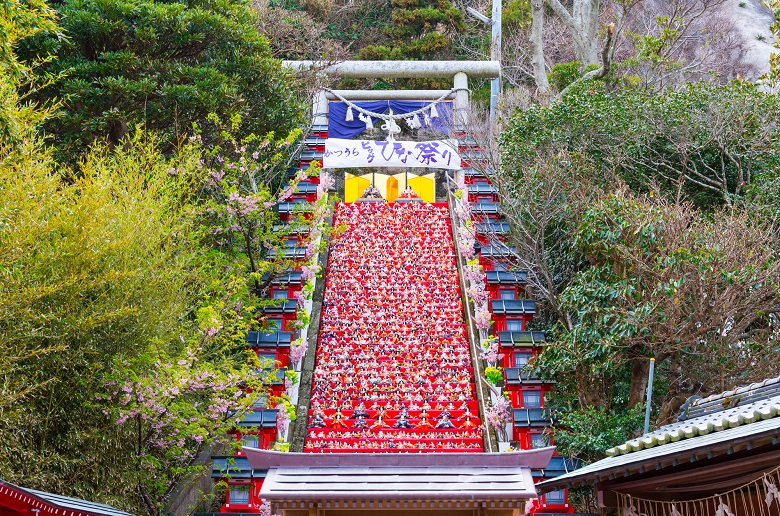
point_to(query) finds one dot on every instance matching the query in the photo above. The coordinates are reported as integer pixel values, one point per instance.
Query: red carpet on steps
(393, 370)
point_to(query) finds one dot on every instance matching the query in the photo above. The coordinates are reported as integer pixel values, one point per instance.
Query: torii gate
(458, 71)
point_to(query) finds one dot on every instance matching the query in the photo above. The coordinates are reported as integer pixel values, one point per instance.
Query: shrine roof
(263, 418)
(264, 459)
(500, 250)
(282, 306)
(305, 187)
(496, 251)
(516, 376)
(292, 253)
(270, 339)
(513, 306)
(398, 483)
(482, 188)
(289, 229)
(486, 207)
(702, 416)
(36, 498)
(290, 277)
(402, 476)
(291, 206)
(746, 416)
(492, 227)
(506, 278)
(522, 338)
(234, 467)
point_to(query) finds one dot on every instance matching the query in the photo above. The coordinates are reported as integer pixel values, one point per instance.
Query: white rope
(387, 118)
(765, 488)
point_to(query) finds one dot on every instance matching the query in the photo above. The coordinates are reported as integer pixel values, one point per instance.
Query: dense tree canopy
(705, 143)
(18, 22)
(160, 65)
(123, 313)
(647, 222)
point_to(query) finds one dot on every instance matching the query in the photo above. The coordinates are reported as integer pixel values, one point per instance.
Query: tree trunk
(537, 40)
(590, 27)
(117, 131)
(679, 391)
(582, 23)
(670, 406)
(640, 367)
(590, 386)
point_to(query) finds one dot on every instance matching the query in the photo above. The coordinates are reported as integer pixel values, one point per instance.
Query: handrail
(469, 317)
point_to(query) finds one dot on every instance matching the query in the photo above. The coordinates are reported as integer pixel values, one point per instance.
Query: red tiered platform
(393, 369)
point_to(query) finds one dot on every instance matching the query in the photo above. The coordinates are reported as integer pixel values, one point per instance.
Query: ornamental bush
(494, 375)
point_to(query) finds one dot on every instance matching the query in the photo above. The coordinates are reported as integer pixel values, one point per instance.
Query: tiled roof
(58, 502)
(513, 306)
(711, 426)
(516, 376)
(234, 467)
(716, 413)
(399, 483)
(271, 339)
(497, 250)
(259, 418)
(482, 188)
(681, 451)
(521, 338)
(558, 466)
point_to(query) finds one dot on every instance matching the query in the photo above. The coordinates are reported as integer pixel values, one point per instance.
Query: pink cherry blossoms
(498, 414)
(472, 272)
(309, 272)
(326, 183)
(482, 318)
(282, 419)
(489, 352)
(297, 350)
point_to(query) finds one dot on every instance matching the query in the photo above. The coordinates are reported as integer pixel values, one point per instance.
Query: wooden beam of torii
(401, 69)
(460, 71)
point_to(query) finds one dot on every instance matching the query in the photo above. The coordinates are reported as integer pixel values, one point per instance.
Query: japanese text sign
(340, 153)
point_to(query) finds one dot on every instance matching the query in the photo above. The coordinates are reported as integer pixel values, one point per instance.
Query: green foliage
(120, 295)
(652, 47)
(162, 66)
(19, 21)
(173, 407)
(122, 312)
(764, 195)
(589, 432)
(773, 77)
(291, 375)
(563, 74)
(419, 30)
(494, 375)
(625, 268)
(90, 273)
(660, 283)
(705, 143)
(516, 13)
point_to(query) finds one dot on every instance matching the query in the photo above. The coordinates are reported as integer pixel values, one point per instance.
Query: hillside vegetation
(145, 143)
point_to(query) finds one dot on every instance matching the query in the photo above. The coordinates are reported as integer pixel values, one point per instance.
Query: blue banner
(338, 127)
